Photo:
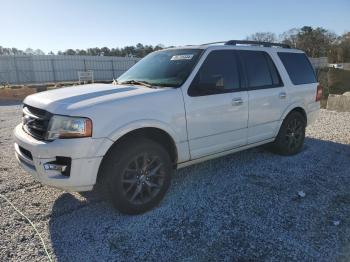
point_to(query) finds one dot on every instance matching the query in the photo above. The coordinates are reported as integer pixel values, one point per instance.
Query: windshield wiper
(135, 82)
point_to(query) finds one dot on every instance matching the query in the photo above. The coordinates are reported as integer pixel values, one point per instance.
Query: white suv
(174, 108)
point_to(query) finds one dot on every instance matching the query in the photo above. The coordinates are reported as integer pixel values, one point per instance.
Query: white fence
(319, 62)
(55, 68)
(64, 68)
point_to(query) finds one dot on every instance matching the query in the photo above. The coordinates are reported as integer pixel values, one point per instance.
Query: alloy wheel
(294, 133)
(143, 178)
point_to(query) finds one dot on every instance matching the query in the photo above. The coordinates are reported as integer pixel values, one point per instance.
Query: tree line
(315, 42)
(139, 50)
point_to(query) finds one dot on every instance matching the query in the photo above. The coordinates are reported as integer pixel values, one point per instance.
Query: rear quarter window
(298, 67)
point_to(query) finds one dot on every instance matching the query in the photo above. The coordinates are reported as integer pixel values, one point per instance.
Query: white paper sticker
(182, 57)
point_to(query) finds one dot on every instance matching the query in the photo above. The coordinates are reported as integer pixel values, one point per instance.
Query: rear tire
(290, 138)
(137, 174)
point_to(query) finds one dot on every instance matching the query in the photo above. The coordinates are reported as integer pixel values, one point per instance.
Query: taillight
(319, 93)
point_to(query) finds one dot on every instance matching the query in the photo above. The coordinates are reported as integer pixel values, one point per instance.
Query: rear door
(303, 86)
(267, 95)
(216, 106)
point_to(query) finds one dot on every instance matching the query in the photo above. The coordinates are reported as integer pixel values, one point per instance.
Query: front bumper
(86, 155)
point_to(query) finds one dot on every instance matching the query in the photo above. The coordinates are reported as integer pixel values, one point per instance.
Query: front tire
(138, 173)
(290, 138)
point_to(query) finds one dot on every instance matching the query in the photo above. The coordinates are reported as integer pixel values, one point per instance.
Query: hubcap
(143, 178)
(294, 134)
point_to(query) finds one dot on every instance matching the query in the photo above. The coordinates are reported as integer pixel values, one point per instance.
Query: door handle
(237, 101)
(283, 95)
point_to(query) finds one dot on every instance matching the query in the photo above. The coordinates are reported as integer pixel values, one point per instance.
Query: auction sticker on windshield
(182, 57)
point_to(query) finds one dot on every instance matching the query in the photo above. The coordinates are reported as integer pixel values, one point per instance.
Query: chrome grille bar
(35, 121)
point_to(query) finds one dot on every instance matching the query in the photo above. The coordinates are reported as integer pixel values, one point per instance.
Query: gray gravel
(242, 207)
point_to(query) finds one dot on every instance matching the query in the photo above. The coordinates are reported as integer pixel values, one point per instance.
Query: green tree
(340, 51)
(69, 52)
(315, 42)
(105, 51)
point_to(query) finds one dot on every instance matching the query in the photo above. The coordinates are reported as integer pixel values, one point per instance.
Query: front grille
(35, 121)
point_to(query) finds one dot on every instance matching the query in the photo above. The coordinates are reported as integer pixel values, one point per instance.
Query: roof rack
(248, 42)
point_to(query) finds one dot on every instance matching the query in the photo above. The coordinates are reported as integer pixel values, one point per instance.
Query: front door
(216, 106)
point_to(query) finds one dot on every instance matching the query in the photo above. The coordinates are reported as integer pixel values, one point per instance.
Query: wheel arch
(301, 111)
(155, 134)
(280, 145)
(295, 107)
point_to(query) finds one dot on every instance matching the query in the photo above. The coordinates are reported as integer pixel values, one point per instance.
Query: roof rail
(212, 43)
(248, 42)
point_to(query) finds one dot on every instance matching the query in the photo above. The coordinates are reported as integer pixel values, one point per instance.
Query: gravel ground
(242, 207)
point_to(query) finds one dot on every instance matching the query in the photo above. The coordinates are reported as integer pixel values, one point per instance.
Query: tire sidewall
(120, 159)
(279, 143)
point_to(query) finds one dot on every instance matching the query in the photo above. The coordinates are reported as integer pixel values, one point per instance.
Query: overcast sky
(53, 25)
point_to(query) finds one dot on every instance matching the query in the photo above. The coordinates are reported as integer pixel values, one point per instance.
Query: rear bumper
(312, 116)
(85, 153)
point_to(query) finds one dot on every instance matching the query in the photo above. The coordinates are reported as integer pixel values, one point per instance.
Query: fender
(182, 147)
(131, 126)
(291, 107)
(287, 111)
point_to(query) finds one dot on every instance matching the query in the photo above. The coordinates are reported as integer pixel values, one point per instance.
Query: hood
(77, 97)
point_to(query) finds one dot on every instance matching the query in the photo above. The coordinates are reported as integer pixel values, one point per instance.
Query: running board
(223, 153)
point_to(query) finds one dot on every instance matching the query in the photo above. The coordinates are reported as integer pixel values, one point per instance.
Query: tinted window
(276, 79)
(260, 70)
(218, 74)
(298, 67)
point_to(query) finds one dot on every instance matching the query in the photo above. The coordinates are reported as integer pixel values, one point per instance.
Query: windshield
(163, 68)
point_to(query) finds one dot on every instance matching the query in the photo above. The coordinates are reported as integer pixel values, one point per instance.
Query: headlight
(69, 127)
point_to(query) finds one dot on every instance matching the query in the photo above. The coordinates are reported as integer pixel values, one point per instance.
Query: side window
(218, 74)
(299, 68)
(276, 79)
(260, 70)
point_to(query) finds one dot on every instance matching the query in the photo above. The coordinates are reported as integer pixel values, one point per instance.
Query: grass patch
(338, 81)
(334, 81)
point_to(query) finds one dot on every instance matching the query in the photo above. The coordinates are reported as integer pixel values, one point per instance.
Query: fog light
(61, 164)
(55, 167)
